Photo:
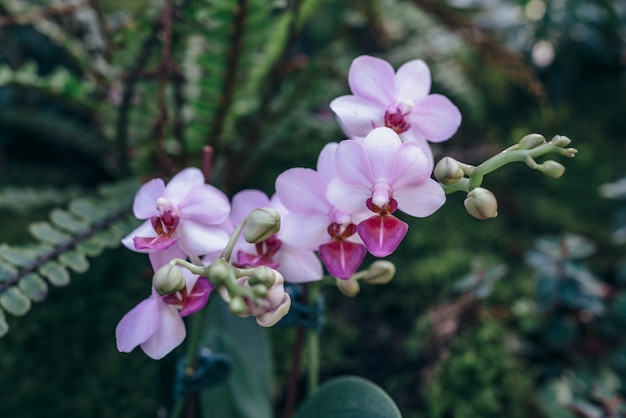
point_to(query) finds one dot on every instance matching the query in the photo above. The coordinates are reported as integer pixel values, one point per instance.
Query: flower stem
(313, 345)
(197, 325)
(233, 240)
(476, 174)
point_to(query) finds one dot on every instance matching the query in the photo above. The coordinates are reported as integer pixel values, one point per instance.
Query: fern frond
(87, 227)
(25, 199)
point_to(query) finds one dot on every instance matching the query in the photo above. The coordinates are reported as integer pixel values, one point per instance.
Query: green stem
(313, 346)
(233, 240)
(195, 333)
(475, 175)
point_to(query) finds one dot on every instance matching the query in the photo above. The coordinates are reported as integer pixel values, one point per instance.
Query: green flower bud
(262, 275)
(238, 306)
(168, 279)
(552, 169)
(259, 290)
(349, 287)
(261, 224)
(560, 141)
(380, 272)
(218, 271)
(531, 141)
(481, 204)
(448, 171)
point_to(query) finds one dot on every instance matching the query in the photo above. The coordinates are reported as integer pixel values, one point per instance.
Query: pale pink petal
(357, 116)
(144, 205)
(182, 183)
(326, 166)
(298, 265)
(414, 136)
(373, 79)
(137, 325)
(169, 333)
(245, 202)
(199, 239)
(205, 203)
(410, 166)
(381, 146)
(420, 200)
(303, 191)
(160, 258)
(412, 81)
(353, 164)
(436, 118)
(144, 230)
(304, 231)
(347, 198)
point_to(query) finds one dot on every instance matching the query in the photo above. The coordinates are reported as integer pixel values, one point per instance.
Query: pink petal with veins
(382, 234)
(342, 258)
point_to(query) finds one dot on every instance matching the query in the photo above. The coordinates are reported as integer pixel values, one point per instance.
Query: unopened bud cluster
(379, 272)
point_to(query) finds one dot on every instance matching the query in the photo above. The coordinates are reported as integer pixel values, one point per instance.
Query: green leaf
(67, 221)
(34, 287)
(75, 260)
(108, 238)
(349, 397)
(18, 257)
(7, 271)
(93, 247)
(56, 273)
(246, 392)
(15, 301)
(86, 210)
(4, 327)
(45, 232)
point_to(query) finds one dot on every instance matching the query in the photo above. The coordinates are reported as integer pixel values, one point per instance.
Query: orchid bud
(349, 287)
(551, 169)
(270, 318)
(218, 271)
(259, 290)
(168, 279)
(261, 224)
(560, 141)
(531, 141)
(238, 306)
(262, 275)
(448, 171)
(380, 272)
(481, 204)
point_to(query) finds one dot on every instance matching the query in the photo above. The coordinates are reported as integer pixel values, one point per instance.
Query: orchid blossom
(183, 218)
(156, 323)
(295, 263)
(399, 101)
(378, 176)
(314, 221)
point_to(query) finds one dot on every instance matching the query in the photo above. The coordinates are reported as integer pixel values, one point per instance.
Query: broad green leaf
(56, 273)
(16, 256)
(34, 287)
(7, 271)
(4, 327)
(75, 260)
(45, 232)
(86, 210)
(349, 397)
(246, 392)
(93, 247)
(15, 301)
(67, 221)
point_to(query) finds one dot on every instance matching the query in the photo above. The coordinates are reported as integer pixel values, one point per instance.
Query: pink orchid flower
(296, 264)
(274, 306)
(314, 221)
(378, 176)
(183, 218)
(400, 101)
(156, 323)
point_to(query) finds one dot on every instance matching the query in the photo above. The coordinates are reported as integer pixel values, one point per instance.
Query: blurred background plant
(96, 92)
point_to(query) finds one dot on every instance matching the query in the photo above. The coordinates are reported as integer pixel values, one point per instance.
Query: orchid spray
(248, 251)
